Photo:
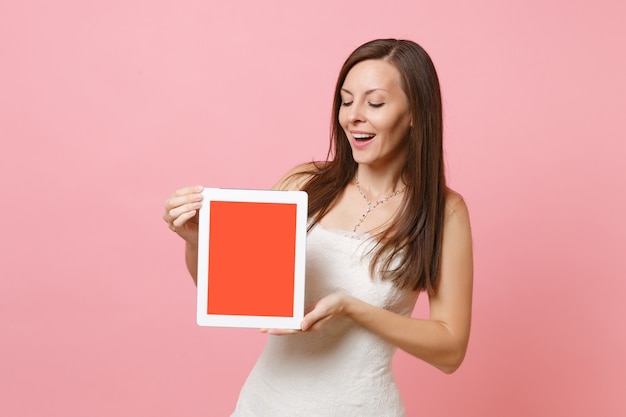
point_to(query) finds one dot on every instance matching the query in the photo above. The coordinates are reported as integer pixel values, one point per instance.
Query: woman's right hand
(181, 212)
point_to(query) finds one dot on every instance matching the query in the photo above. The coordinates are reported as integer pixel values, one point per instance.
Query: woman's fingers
(180, 210)
(180, 221)
(324, 311)
(182, 205)
(314, 326)
(182, 197)
(193, 189)
(280, 332)
(174, 215)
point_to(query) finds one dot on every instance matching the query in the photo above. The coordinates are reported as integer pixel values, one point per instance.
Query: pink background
(107, 106)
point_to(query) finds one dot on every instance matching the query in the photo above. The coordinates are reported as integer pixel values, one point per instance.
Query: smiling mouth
(362, 137)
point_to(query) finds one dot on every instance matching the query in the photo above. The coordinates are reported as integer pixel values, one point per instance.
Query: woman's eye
(346, 103)
(376, 105)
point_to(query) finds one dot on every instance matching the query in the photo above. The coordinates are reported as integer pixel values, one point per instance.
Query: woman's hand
(318, 315)
(181, 212)
(324, 311)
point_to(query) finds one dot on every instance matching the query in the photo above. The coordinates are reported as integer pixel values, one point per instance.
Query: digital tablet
(251, 258)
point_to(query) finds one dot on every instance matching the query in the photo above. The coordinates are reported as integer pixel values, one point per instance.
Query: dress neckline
(344, 233)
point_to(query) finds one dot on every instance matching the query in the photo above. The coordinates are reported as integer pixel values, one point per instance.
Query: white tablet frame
(297, 198)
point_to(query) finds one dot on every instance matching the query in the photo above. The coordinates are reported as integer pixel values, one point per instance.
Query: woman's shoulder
(297, 177)
(455, 204)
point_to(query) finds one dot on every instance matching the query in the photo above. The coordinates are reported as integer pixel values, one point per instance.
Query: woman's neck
(378, 183)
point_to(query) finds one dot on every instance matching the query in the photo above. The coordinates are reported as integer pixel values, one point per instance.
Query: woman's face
(375, 115)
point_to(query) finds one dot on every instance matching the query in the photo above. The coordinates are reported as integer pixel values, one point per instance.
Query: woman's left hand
(318, 315)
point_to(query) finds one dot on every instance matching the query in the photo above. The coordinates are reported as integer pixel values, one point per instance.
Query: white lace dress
(343, 370)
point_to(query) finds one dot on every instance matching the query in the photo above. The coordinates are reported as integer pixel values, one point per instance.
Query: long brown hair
(409, 250)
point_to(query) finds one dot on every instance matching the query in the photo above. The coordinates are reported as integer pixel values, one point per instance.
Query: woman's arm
(191, 260)
(181, 215)
(442, 339)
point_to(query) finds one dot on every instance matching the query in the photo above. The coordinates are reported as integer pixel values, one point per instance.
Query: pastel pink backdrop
(107, 107)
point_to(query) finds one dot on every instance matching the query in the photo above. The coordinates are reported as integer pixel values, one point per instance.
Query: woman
(383, 228)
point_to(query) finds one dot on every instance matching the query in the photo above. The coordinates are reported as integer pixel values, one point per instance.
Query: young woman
(383, 228)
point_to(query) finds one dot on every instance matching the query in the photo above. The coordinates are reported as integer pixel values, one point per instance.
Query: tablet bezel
(297, 198)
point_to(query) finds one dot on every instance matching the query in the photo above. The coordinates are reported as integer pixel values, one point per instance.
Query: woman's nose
(355, 114)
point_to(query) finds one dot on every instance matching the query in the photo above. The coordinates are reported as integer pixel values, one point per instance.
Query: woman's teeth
(363, 136)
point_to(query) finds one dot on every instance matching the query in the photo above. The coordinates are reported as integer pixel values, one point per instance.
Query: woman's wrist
(349, 306)
(191, 246)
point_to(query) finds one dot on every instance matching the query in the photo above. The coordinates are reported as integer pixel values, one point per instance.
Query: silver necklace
(371, 206)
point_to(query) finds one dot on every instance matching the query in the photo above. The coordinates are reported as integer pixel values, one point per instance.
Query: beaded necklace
(371, 206)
